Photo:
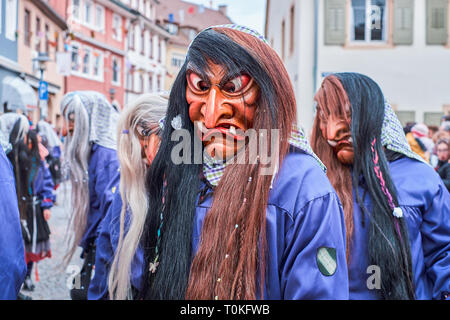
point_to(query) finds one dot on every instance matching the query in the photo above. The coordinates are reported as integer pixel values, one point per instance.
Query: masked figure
(224, 221)
(12, 264)
(90, 125)
(396, 208)
(117, 244)
(52, 143)
(34, 188)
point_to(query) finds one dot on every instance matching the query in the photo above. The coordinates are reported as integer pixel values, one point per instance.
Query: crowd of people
(432, 144)
(213, 191)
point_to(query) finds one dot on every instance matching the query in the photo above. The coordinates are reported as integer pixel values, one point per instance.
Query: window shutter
(403, 22)
(437, 23)
(335, 22)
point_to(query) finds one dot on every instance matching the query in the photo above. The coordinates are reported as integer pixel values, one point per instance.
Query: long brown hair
(332, 99)
(232, 248)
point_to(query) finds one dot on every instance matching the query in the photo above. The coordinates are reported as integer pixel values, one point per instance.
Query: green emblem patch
(326, 260)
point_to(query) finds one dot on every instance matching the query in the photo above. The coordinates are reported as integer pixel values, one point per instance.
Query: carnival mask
(69, 126)
(222, 109)
(150, 141)
(336, 130)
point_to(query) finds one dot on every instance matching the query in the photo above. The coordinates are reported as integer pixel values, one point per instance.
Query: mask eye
(237, 84)
(197, 83)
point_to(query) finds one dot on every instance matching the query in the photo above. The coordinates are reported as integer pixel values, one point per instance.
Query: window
(138, 83)
(76, 9)
(172, 28)
(177, 61)
(98, 65)
(38, 35)
(115, 71)
(159, 50)
(75, 58)
(27, 26)
(131, 38)
(148, 12)
(117, 28)
(100, 18)
(192, 34)
(88, 12)
(150, 45)
(368, 20)
(130, 80)
(150, 82)
(159, 84)
(11, 19)
(143, 42)
(86, 61)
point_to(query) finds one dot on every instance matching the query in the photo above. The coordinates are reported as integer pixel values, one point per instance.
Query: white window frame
(117, 60)
(90, 23)
(100, 26)
(118, 18)
(89, 66)
(11, 20)
(76, 45)
(368, 25)
(79, 17)
(101, 59)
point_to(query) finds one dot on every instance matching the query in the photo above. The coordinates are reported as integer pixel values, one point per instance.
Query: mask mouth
(227, 130)
(338, 145)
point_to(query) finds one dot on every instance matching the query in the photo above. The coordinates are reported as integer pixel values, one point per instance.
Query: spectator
(443, 166)
(432, 131)
(419, 142)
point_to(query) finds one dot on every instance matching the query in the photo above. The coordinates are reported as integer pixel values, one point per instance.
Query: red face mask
(222, 109)
(150, 146)
(336, 130)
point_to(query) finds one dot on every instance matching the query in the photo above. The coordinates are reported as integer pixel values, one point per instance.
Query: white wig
(95, 122)
(145, 112)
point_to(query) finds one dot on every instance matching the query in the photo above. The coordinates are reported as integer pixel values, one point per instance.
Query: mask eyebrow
(193, 68)
(230, 76)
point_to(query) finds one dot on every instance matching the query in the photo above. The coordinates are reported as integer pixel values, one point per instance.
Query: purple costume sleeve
(103, 167)
(12, 252)
(44, 187)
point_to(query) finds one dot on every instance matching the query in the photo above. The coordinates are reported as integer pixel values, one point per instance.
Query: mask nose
(215, 108)
(337, 129)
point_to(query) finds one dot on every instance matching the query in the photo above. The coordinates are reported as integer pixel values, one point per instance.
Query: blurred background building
(404, 45)
(183, 20)
(121, 48)
(15, 93)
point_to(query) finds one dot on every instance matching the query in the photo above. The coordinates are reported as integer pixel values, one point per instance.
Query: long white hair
(145, 112)
(76, 158)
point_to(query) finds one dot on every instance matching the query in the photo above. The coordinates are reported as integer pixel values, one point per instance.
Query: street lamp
(42, 60)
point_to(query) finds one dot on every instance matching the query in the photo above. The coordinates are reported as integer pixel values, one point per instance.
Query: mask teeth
(232, 130)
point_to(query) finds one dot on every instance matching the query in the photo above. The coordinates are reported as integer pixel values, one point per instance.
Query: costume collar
(213, 170)
(393, 136)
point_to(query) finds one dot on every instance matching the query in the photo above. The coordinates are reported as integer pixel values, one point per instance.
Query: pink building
(96, 41)
(41, 30)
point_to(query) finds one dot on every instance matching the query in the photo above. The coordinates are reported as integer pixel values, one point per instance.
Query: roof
(193, 15)
(50, 13)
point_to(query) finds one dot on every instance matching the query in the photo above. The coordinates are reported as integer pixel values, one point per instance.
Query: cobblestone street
(54, 281)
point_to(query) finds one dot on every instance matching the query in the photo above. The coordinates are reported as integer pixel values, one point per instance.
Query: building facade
(145, 62)
(404, 45)
(97, 44)
(183, 20)
(41, 31)
(15, 93)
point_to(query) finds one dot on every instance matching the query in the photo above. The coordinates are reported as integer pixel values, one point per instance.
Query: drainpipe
(316, 40)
